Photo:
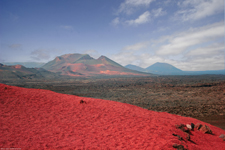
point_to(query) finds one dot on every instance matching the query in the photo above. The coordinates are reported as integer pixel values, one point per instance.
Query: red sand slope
(42, 119)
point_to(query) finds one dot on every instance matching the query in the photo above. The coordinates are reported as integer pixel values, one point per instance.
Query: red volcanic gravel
(42, 119)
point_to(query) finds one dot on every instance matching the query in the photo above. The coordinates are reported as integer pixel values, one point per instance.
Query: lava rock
(198, 126)
(222, 136)
(206, 129)
(179, 147)
(192, 125)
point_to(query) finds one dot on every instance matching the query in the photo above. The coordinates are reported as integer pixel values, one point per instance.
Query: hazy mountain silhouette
(134, 67)
(167, 69)
(21, 72)
(163, 68)
(25, 64)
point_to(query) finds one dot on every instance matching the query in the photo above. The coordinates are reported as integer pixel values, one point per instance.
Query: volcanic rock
(188, 126)
(198, 126)
(205, 129)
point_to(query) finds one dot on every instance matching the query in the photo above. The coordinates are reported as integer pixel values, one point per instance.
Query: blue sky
(188, 34)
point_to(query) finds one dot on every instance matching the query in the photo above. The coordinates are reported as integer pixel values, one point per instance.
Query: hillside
(21, 72)
(84, 65)
(42, 119)
(25, 64)
(134, 67)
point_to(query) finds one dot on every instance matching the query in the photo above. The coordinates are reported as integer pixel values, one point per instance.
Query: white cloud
(158, 12)
(115, 21)
(130, 55)
(143, 60)
(129, 6)
(148, 60)
(192, 64)
(92, 53)
(213, 49)
(179, 43)
(198, 9)
(40, 54)
(199, 63)
(197, 49)
(124, 57)
(161, 29)
(205, 63)
(136, 46)
(127, 54)
(167, 2)
(143, 18)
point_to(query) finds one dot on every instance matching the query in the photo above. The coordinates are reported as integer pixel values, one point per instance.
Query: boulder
(198, 126)
(188, 126)
(192, 126)
(205, 129)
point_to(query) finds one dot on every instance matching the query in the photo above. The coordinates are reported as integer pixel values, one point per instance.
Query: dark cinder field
(201, 97)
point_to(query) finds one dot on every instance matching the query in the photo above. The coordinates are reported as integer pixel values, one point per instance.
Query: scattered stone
(205, 129)
(82, 101)
(198, 126)
(222, 136)
(175, 145)
(179, 147)
(179, 137)
(174, 134)
(183, 128)
(180, 126)
(192, 126)
(188, 126)
(188, 137)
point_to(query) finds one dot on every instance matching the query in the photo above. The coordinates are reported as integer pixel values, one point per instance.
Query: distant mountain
(133, 67)
(25, 64)
(21, 72)
(167, 69)
(163, 68)
(84, 65)
(158, 68)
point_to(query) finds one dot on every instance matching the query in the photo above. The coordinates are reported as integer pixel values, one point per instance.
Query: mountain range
(84, 65)
(68, 65)
(25, 64)
(167, 69)
(21, 72)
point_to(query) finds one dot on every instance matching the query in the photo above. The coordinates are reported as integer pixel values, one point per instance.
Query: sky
(188, 34)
